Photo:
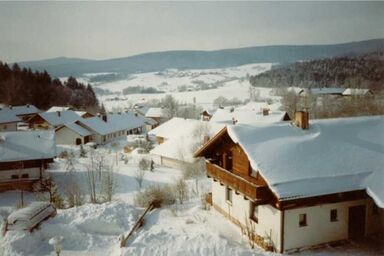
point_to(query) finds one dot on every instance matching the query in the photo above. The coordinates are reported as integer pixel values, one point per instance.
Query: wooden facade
(227, 162)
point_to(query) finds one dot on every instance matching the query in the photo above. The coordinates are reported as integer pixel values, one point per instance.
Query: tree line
(23, 86)
(365, 71)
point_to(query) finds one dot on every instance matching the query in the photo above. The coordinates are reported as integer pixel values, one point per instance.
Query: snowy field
(94, 229)
(228, 82)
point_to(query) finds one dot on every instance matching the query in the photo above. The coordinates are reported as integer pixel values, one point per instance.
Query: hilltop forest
(364, 71)
(22, 86)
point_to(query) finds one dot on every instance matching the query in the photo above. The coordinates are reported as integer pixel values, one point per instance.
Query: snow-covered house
(300, 187)
(24, 112)
(59, 108)
(8, 122)
(248, 116)
(23, 157)
(72, 134)
(156, 114)
(179, 139)
(52, 120)
(103, 131)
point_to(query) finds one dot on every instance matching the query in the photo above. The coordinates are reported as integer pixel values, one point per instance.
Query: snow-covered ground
(228, 82)
(94, 229)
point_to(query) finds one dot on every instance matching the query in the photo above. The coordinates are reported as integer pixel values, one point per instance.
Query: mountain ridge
(197, 59)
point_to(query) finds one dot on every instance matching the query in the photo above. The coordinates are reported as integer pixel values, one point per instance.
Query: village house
(156, 114)
(206, 115)
(8, 122)
(300, 185)
(24, 156)
(72, 134)
(23, 112)
(52, 120)
(178, 139)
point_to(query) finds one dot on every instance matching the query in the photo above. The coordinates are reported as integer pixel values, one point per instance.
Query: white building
(24, 156)
(300, 187)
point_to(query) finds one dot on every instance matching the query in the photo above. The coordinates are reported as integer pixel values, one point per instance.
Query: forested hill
(158, 61)
(364, 71)
(22, 86)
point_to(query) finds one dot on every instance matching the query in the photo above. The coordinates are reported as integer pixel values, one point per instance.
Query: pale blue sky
(99, 30)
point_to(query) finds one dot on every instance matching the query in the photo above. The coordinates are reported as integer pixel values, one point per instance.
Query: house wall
(66, 136)
(103, 139)
(8, 127)
(269, 218)
(319, 228)
(33, 174)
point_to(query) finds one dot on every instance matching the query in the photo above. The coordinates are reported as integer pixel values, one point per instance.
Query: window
(228, 194)
(14, 176)
(302, 220)
(333, 215)
(25, 176)
(254, 212)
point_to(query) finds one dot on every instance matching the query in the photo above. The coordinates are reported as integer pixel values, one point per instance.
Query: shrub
(181, 190)
(144, 164)
(159, 195)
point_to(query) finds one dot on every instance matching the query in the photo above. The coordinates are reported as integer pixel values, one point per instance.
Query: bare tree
(139, 176)
(170, 106)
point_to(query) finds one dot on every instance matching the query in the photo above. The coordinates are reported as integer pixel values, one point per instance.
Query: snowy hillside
(202, 86)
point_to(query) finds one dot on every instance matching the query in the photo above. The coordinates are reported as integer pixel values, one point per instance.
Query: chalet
(300, 187)
(23, 112)
(178, 138)
(23, 158)
(52, 120)
(72, 134)
(326, 91)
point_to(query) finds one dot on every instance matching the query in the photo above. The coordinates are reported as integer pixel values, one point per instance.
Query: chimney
(302, 119)
(265, 111)
(104, 117)
(58, 113)
(234, 121)
(136, 114)
(28, 105)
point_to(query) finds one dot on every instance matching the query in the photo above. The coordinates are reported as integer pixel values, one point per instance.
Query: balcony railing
(250, 189)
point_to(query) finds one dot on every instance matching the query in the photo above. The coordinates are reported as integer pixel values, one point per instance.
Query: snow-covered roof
(58, 108)
(334, 155)
(8, 117)
(351, 91)
(97, 125)
(181, 136)
(60, 117)
(127, 120)
(76, 128)
(20, 110)
(325, 90)
(25, 214)
(155, 112)
(27, 145)
(246, 116)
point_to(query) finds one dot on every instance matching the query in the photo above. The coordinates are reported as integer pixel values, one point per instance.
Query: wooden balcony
(253, 190)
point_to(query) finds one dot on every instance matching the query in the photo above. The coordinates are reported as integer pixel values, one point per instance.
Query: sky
(103, 30)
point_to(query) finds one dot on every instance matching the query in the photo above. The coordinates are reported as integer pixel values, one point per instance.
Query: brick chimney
(302, 119)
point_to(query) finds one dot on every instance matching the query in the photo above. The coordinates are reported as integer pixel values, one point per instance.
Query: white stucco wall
(34, 173)
(269, 218)
(319, 228)
(66, 136)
